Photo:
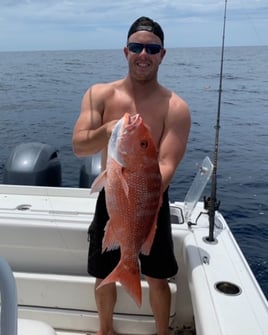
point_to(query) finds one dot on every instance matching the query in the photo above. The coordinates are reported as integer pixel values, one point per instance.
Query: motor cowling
(89, 170)
(34, 164)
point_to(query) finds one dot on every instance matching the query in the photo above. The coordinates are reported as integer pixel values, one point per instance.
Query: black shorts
(160, 263)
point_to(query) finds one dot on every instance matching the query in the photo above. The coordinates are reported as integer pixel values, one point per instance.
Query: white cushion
(33, 327)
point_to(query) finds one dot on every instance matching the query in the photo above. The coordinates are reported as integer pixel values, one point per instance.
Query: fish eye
(144, 144)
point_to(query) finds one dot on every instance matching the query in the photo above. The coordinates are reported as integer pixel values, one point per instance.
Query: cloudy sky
(103, 24)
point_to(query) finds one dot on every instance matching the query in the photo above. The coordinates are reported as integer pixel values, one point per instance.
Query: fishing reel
(207, 203)
(207, 207)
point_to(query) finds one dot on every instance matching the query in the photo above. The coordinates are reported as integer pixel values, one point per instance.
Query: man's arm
(89, 134)
(174, 140)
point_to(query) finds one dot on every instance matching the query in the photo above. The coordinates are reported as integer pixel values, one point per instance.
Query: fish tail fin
(130, 279)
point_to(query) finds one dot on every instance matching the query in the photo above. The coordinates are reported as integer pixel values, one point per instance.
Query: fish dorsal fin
(99, 183)
(147, 245)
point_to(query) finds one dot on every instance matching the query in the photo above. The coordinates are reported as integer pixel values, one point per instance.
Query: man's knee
(158, 284)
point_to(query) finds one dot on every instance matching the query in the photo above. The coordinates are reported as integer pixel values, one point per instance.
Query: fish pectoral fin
(99, 183)
(109, 241)
(147, 245)
(123, 181)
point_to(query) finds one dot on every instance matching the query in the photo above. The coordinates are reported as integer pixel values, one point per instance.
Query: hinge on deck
(185, 330)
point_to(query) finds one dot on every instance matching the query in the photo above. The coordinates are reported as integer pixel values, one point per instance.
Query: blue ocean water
(40, 95)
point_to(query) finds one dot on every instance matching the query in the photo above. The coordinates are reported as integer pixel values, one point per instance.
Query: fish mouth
(130, 124)
(132, 121)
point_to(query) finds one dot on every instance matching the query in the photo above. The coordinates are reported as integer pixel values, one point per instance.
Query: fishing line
(211, 202)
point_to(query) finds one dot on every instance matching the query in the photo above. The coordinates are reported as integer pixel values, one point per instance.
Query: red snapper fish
(133, 188)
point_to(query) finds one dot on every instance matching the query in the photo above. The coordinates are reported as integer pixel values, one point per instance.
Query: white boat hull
(44, 239)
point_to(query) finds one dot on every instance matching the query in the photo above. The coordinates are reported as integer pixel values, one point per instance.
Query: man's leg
(105, 300)
(160, 299)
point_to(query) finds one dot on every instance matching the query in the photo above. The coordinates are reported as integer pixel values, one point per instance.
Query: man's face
(144, 62)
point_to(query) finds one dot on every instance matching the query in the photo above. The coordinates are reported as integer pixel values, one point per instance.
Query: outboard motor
(33, 164)
(90, 169)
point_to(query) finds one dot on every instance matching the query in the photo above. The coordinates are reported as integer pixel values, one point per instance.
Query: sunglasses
(150, 49)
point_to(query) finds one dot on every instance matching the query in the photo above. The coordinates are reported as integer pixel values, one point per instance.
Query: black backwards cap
(147, 24)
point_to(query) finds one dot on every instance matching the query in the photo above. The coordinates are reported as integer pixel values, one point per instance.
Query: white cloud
(50, 24)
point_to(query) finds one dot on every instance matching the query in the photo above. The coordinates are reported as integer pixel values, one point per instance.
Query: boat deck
(44, 239)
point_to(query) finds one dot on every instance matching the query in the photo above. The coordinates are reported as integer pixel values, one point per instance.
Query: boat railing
(9, 311)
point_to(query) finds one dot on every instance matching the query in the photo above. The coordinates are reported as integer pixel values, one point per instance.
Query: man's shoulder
(171, 95)
(179, 111)
(107, 86)
(105, 89)
(177, 103)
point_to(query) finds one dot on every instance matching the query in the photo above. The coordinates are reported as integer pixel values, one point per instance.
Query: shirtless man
(168, 117)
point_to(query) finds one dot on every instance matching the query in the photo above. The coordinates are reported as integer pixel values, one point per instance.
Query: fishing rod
(211, 202)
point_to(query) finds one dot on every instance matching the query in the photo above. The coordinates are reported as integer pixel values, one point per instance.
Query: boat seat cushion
(77, 293)
(33, 327)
